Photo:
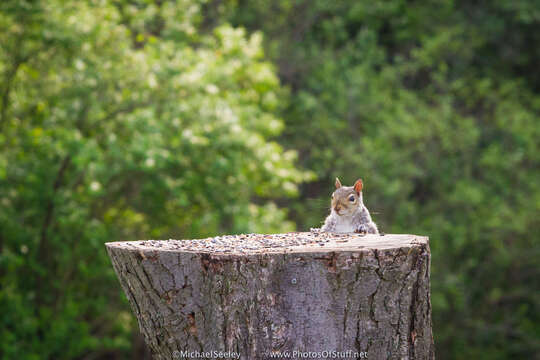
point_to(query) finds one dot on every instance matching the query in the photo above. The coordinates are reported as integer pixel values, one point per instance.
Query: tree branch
(50, 205)
(5, 94)
(43, 246)
(10, 75)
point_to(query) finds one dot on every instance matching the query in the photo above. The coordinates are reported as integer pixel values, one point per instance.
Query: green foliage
(121, 121)
(128, 119)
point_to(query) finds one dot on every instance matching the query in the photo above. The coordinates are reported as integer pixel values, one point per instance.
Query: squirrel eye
(351, 198)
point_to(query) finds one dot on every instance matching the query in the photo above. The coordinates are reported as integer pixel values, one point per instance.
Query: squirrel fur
(348, 213)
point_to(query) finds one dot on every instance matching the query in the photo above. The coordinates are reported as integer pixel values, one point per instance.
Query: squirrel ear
(338, 183)
(358, 186)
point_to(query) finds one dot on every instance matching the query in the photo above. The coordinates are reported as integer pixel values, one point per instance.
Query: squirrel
(348, 213)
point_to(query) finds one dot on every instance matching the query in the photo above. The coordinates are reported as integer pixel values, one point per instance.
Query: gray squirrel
(348, 213)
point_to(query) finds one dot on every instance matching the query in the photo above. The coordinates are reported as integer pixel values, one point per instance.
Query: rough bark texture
(367, 294)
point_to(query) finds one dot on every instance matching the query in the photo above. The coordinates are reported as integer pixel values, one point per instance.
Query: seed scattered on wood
(253, 243)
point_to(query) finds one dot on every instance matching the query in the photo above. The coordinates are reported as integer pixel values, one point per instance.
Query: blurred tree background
(134, 119)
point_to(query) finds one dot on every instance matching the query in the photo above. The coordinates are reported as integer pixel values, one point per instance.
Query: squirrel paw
(362, 229)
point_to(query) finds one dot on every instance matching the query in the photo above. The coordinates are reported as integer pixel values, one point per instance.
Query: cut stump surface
(309, 294)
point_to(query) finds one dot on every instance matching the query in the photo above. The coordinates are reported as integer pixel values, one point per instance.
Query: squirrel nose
(337, 208)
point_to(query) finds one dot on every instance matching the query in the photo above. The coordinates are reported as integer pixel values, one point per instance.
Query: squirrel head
(346, 199)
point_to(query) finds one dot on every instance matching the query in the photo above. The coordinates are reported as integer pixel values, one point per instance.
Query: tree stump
(298, 295)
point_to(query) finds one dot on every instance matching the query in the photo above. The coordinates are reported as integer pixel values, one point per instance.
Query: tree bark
(362, 296)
